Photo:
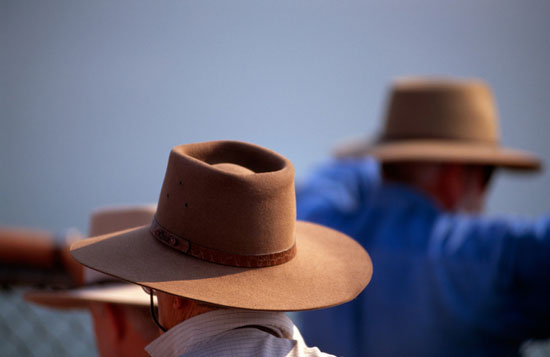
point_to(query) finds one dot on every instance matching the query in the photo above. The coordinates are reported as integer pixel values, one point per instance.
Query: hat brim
(329, 269)
(441, 151)
(79, 298)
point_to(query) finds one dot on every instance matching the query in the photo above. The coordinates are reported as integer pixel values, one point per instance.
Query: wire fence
(30, 330)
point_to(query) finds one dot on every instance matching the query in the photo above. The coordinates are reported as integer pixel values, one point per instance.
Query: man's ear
(179, 303)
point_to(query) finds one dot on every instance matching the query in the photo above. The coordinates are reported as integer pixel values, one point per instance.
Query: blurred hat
(225, 233)
(441, 120)
(100, 287)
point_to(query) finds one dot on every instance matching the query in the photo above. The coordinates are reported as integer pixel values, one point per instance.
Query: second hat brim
(441, 151)
(329, 269)
(79, 298)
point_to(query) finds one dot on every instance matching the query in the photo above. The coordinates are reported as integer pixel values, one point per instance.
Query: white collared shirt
(233, 332)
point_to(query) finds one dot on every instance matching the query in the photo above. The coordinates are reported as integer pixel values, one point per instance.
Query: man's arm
(520, 246)
(31, 257)
(499, 261)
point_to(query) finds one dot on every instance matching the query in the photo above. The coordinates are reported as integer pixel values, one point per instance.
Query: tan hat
(100, 287)
(441, 120)
(226, 233)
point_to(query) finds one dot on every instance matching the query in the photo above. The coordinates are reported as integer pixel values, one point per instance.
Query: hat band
(216, 256)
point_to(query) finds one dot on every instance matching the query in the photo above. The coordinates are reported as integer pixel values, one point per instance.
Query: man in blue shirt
(447, 281)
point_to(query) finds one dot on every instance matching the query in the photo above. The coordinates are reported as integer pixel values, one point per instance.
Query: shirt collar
(197, 329)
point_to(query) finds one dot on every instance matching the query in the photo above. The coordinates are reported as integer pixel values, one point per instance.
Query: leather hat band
(216, 256)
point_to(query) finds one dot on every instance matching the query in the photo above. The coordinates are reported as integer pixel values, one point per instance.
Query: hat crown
(229, 196)
(441, 109)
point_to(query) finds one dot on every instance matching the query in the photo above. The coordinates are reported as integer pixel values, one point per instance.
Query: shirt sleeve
(338, 187)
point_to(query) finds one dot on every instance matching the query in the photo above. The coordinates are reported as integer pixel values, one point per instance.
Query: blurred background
(94, 94)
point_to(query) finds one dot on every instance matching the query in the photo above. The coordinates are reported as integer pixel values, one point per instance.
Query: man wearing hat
(447, 281)
(226, 256)
(119, 310)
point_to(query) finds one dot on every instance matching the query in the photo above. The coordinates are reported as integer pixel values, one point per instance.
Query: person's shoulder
(364, 166)
(243, 342)
(252, 342)
(340, 179)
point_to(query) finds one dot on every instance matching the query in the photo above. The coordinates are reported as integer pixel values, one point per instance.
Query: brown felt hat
(441, 120)
(225, 233)
(100, 287)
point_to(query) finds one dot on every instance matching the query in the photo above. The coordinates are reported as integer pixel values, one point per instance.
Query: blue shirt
(443, 284)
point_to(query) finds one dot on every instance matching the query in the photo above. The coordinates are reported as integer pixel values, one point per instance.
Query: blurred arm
(500, 261)
(30, 256)
(24, 247)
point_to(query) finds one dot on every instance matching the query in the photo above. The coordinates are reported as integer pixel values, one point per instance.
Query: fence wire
(30, 330)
